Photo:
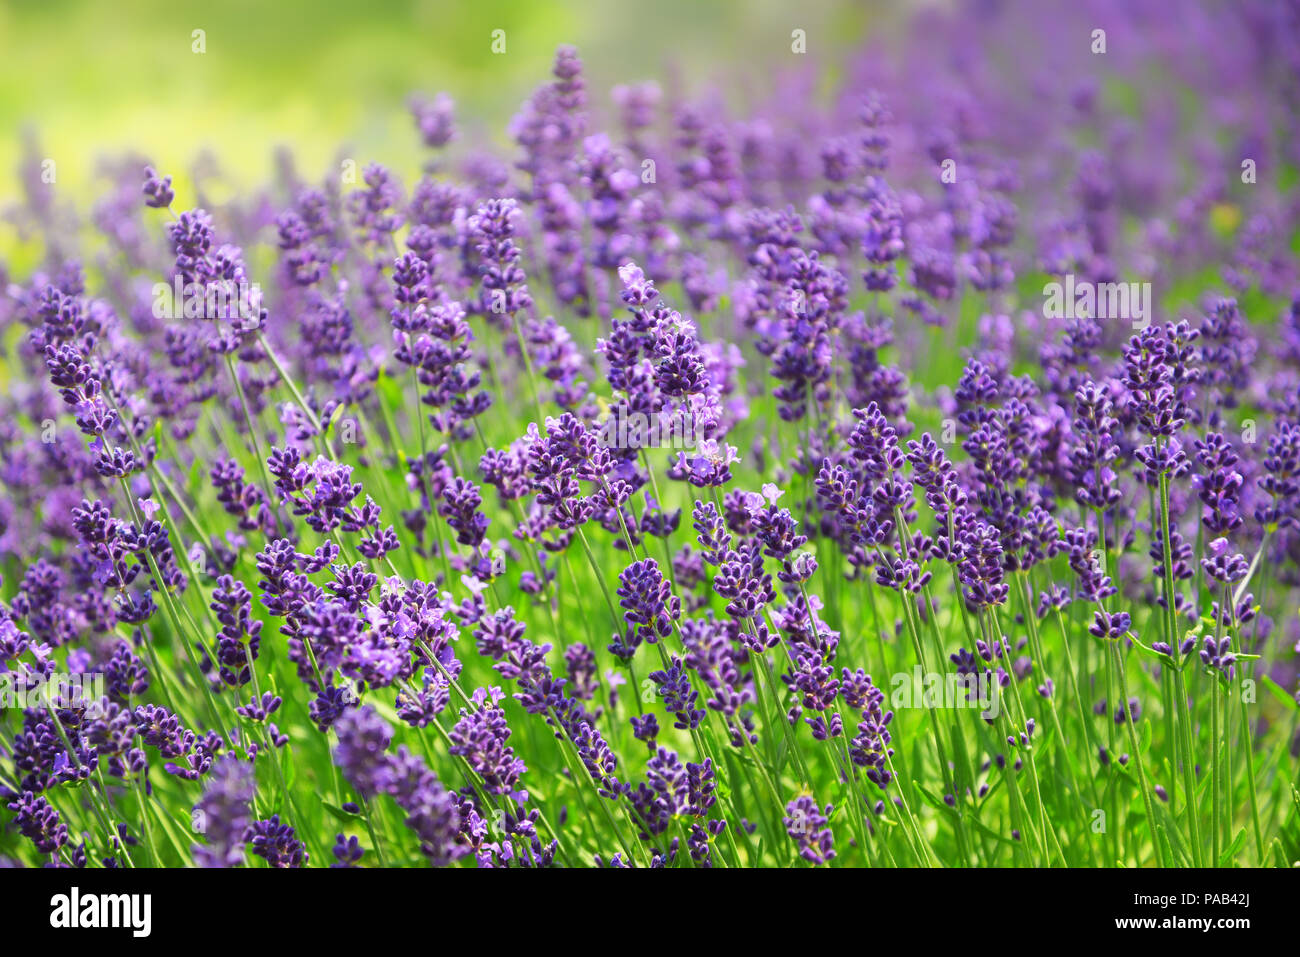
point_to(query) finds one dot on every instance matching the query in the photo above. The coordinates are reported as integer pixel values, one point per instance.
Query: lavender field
(888, 459)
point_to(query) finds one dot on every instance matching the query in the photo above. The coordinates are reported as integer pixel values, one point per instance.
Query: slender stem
(1185, 723)
(1214, 770)
(1118, 655)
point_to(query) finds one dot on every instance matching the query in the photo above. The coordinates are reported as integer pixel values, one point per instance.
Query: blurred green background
(91, 79)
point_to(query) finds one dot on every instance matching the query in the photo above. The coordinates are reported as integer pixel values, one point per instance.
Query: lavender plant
(342, 524)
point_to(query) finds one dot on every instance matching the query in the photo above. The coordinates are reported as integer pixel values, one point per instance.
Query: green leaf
(1147, 649)
(1231, 851)
(339, 813)
(1280, 693)
(983, 829)
(1173, 839)
(931, 798)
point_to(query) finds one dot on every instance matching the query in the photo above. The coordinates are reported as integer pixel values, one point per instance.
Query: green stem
(1118, 655)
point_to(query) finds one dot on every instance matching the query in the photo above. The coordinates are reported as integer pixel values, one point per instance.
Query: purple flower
(1106, 625)
(650, 608)
(504, 289)
(223, 815)
(276, 842)
(39, 822)
(461, 501)
(480, 737)
(362, 750)
(347, 851)
(435, 120)
(157, 189)
(805, 823)
(674, 686)
(240, 637)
